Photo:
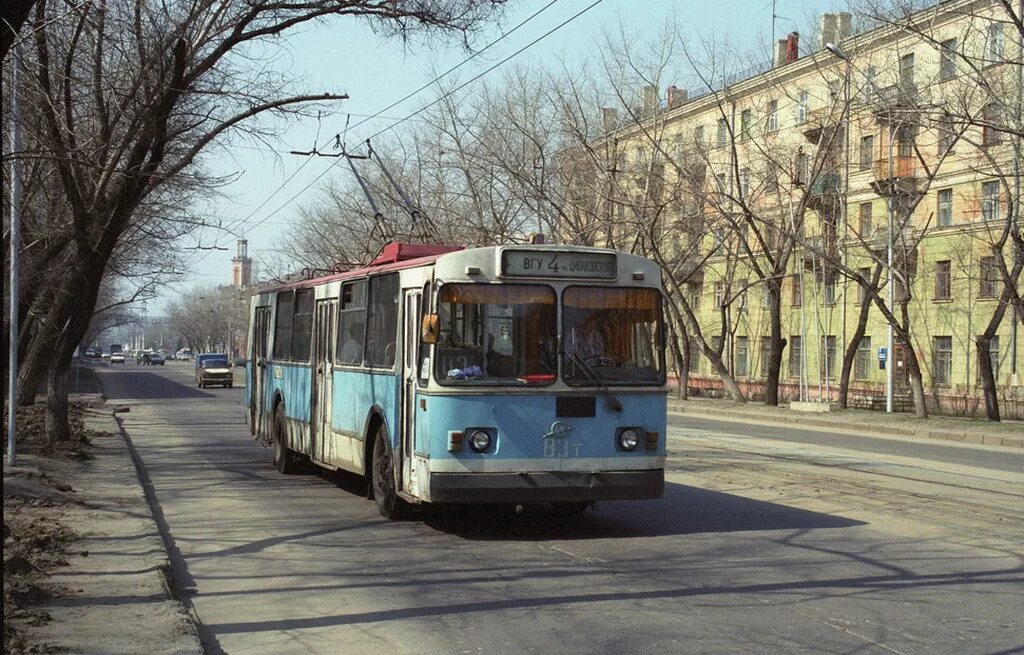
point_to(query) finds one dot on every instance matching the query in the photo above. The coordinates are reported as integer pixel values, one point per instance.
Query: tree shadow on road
(682, 510)
(138, 385)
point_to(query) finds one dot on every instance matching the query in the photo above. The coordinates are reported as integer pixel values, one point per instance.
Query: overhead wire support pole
(12, 333)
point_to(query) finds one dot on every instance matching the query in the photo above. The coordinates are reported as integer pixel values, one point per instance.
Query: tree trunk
(678, 360)
(684, 366)
(776, 343)
(57, 427)
(988, 380)
(850, 354)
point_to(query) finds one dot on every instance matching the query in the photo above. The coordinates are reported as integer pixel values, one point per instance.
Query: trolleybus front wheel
(382, 477)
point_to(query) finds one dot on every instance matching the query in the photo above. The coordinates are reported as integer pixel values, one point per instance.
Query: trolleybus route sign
(533, 263)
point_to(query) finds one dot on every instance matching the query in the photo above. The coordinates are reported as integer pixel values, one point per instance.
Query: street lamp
(841, 54)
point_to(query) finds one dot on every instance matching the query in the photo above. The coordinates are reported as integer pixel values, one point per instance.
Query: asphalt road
(764, 543)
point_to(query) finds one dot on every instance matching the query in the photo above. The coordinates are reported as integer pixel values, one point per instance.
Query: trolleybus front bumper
(546, 486)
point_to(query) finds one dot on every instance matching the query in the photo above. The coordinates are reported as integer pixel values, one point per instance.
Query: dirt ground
(36, 541)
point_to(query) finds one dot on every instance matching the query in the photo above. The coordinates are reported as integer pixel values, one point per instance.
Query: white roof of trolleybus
(632, 270)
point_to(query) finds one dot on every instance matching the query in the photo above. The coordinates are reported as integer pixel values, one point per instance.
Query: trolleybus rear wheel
(382, 477)
(285, 460)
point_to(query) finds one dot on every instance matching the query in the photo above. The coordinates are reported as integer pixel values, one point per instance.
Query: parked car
(117, 358)
(213, 368)
(156, 358)
(240, 361)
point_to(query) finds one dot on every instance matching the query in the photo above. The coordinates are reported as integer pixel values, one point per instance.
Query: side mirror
(429, 329)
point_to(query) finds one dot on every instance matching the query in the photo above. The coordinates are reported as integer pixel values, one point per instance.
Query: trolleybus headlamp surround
(479, 440)
(629, 438)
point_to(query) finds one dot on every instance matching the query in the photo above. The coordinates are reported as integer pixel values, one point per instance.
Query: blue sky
(347, 57)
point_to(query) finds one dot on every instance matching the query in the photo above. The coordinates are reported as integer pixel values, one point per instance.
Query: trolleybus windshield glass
(496, 334)
(611, 335)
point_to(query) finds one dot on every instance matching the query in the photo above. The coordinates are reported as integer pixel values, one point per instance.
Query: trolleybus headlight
(479, 440)
(629, 439)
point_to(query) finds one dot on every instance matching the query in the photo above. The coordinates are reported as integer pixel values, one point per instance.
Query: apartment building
(808, 172)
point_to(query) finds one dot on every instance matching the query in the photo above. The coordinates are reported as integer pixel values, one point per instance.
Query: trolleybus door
(410, 340)
(326, 316)
(258, 366)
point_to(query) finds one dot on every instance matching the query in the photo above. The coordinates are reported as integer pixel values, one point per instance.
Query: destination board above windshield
(559, 264)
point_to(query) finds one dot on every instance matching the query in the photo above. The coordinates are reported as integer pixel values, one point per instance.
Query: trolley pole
(12, 353)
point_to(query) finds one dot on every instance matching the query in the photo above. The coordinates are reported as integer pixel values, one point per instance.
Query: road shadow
(682, 510)
(143, 385)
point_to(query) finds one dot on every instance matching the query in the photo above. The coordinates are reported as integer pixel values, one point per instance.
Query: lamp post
(890, 363)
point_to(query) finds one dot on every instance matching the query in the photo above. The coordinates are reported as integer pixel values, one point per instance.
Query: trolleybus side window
(283, 325)
(352, 323)
(496, 334)
(302, 325)
(612, 335)
(382, 321)
(423, 373)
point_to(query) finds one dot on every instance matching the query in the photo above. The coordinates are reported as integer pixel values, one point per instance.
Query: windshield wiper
(613, 402)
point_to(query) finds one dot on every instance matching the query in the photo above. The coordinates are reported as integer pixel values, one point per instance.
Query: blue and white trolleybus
(521, 374)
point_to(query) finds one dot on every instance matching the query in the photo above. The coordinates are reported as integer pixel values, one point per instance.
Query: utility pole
(16, 168)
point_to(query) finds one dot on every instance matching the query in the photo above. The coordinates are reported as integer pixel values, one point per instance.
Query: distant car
(117, 358)
(240, 361)
(105, 355)
(92, 353)
(156, 358)
(213, 368)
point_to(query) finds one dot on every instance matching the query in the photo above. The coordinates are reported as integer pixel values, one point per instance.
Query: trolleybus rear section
(506, 374)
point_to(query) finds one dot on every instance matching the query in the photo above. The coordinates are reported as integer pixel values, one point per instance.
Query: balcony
(895, 176)
(822, 123)
(819, 248)
(895, 99)
(824, 191)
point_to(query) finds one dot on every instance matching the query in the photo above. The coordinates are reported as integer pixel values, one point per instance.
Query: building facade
(882, 168)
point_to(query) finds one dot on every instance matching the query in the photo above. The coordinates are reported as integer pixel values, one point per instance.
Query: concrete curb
(808, 421)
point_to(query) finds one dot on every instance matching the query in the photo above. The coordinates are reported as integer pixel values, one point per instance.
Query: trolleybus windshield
(611, 335)
(496, 334)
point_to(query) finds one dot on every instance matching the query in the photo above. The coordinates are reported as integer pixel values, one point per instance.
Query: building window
(867, 151)
(795, 348)
(695, 353)
(947, 134)
(719, 294)
(991, 125)
(942, 280)
(865, 220)
(865, 274)
(742, 355)
(723, 132)
(798, 292)
(990, 201)
(801, 107)
(744, 285)
(766, 349)
(944, 216)
(993, 356)
(907, 71)
(744, 183)
(771, 177)
(862, 360)
(827, 363)
(947, 60)
(698, 136)
(994, 43)
(695, 292)
(870, 88)
(989, 277)
(905, 135)
(772, 122)
(829, 292)
(746, 116)
(942, 359)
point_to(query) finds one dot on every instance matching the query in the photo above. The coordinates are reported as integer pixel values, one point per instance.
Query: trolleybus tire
(382, 477)
(285, 459)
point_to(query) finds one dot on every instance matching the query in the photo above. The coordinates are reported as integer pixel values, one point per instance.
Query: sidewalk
(93, 561)
(948, 428)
